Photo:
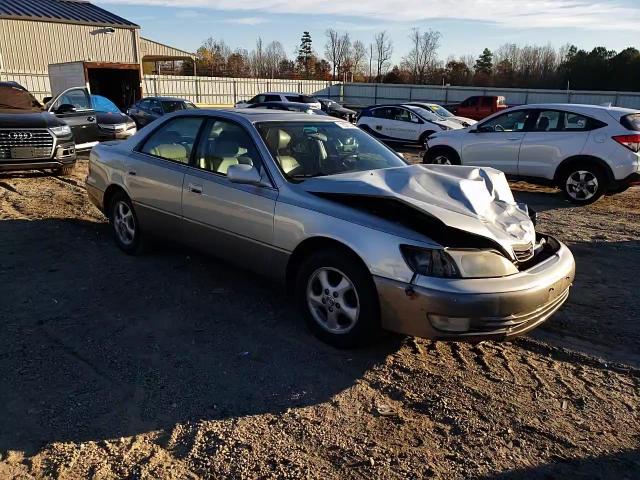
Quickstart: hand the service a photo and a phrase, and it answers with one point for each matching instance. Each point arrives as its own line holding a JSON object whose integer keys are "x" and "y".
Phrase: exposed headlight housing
{"x": 457, "y": 263}
{"x": 61, "y": 131}
{"x": 430, "y": 262}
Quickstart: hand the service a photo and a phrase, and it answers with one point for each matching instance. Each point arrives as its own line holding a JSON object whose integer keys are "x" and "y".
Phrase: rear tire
{"x": 440, "y": 156}
{"x": 338, "y": 298}
{"x": 124, "y": 224}
{"x": 583, "y": 184}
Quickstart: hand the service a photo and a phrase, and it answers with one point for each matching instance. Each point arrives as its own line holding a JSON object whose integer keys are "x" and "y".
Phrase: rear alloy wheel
{"x": 583, "y": 185}
{"x": 338, "y": 298}
{"x": 124, "y": 224}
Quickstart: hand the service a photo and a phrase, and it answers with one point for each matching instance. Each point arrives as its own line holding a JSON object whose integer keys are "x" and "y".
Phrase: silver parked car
{"x": 362, "y": 240}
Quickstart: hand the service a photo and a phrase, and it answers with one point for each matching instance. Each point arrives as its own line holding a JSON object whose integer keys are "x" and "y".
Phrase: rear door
{"x": 554, "y": 136}
{"x": 73, "y": 106}
{"x": 156, "y": 171}
{"x": 496, "y": 142}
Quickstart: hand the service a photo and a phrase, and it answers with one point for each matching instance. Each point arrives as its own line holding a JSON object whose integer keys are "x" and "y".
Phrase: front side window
{"x": 76, "y": 98}
{"x": 294, "y": 98}
{"x": 271, "y": 98}
{"x": 487, "y": 101}
{"x": 103, "y": 104}
{"x": 472, "y": 102}
{"x": 514, "y": 121}
{"x": 382, "y": 113}
{"x": 224, "y": 144}
{"x": 174, "y": 140}
{"x": 312, "y": 149}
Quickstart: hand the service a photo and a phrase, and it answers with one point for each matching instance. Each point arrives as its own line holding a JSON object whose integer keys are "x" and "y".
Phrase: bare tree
{"x": 258, "y": 60}
{"x": 212, "y": 56}
{"x": 358, "y": 55}
{"x": 274, "y": 54}
{"x": 383, "y": 51}
{"x": 423, "y": 54}
{"x": 337, "y": 49}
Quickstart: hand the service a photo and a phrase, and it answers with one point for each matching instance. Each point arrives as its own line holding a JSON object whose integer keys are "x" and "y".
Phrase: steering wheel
{"x": 498, "y": 128}
{"x": 349, "y": 162}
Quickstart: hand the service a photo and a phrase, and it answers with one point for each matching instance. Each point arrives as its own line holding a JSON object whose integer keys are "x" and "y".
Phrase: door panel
{"x": 231, "y": 221}
{"x": 155, "y": 186}
{"x": 82, "y": 119}
{"x": 495, "y": 150}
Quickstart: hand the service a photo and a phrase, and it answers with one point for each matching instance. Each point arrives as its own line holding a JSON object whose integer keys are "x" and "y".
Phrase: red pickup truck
{"x": 479, "y": 107}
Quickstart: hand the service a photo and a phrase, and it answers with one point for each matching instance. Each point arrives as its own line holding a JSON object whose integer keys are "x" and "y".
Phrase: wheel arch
{"x": 109, "y": 194}
{"x": 309, "y": 246}
{"x": 583, "y": 159}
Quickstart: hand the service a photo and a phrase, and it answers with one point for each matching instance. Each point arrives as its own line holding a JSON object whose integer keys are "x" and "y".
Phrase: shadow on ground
{"x": 618, "y": 466}
{"x": 95, "y": 344}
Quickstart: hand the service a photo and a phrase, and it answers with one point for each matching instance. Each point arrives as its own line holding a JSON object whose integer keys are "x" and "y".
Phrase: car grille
{"x": 25, "y": 143}
{"x": 523, "y": 252}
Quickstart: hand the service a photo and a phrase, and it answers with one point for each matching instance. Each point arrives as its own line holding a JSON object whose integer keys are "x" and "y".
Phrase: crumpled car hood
{"x": 473, "y": 199}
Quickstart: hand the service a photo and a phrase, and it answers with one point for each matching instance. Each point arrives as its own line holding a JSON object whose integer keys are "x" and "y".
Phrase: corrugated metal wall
{"x": 364, "y": 94}
{"x": 29, "y": 47}
{"x": 227, "y": 91}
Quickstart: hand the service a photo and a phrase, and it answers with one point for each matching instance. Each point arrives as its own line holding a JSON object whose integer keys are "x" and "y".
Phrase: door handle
{"x": 513, "y": 139}
{"x": 132, "y": 172}
{"x": 195, "y": 188}
{"x": 378, "y": 127}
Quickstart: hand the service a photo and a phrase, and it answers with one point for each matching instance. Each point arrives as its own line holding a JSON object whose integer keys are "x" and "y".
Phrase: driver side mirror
{"x": 244, "y": 174}
{"x": 65, "y": 108}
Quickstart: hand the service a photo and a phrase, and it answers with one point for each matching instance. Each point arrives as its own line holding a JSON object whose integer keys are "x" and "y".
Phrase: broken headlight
{"x": 430, "y": 262}
{"x": 461, "y": 263}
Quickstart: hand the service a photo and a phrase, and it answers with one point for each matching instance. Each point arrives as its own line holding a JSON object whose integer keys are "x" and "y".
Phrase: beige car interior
{"x": 226, "y": 146}
{"x": 279, "y": 142}
{"x": 171, "y": 148}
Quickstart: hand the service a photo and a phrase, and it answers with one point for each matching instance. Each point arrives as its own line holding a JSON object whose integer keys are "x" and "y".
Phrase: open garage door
{"x": 120, "y": 83}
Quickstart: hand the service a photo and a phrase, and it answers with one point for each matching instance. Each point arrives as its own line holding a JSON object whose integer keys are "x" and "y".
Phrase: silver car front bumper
{"x": 478, "y": 309}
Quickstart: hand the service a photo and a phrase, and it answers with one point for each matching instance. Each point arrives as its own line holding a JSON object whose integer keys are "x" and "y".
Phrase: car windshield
{"x": 313, "y": 149}
{"x": 427, "y": 114}
{"x": 441, "y": 111}
{"x": 17, "y": 100}
{"x": 103, "y": 104}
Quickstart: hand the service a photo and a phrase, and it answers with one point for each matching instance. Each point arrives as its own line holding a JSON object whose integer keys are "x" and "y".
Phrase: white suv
{"x": 281, "y": 97}
{"x": 585, "y": 150}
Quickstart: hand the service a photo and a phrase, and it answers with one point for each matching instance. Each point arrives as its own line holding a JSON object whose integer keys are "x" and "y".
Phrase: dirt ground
{"x": 174, "y": 365}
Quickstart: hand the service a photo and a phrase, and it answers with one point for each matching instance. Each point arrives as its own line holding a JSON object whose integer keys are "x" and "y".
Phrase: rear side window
{"x": 631, "y": 122}
{"x": 294, "y": 98}
{"x": 381, "y": 113}
{"x": 271, "y": 98}
{"x": 174, "y": 140}
{"x": 473, "y": 101}
{"x": 487, "y": 101}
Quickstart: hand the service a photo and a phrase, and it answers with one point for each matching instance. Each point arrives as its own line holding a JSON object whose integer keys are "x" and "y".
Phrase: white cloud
{"x": 598, "y": 15}
{"x": 246, "y": 20}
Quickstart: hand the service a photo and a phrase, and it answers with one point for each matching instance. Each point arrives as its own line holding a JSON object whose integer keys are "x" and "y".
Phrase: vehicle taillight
{"x": 632, "y": 142}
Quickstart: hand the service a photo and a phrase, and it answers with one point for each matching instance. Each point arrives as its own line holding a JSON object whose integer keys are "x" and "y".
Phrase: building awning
{"x": 151, "y": 51}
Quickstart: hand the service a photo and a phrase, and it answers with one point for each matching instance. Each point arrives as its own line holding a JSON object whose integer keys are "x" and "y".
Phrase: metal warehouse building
{"x": 35, "y": 34}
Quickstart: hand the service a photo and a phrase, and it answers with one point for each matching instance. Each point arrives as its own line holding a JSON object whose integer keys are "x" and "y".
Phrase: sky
{"x": 467, "y": 26}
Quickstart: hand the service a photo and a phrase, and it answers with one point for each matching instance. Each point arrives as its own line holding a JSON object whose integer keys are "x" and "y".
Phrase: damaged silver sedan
{"x": 363, "y": 241}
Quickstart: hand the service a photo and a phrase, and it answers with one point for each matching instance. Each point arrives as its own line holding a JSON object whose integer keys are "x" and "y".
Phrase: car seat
{"x": 278, "y": 142}
{"x": 543, "y": 124}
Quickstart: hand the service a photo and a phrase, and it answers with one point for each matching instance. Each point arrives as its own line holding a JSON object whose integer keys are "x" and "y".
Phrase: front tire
{"x": 440, "y": 157}
{"x": 583, "y": 184}
{"x": 338, "y": 298}
{"x": 65, "y": 170}
{"x": 124, "y": 224}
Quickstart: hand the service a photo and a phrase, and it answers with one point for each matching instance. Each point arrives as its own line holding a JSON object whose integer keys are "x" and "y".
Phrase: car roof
{"x": 286, "y": 104}
{"x": 257, "y": 115}
{"x": 286, "y": 93}
{"x": 577, "y": 106}
{"x": 169, "y": 99}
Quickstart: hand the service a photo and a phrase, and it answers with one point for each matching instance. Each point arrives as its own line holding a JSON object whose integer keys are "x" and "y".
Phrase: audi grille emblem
{"x": 21, "y": 135}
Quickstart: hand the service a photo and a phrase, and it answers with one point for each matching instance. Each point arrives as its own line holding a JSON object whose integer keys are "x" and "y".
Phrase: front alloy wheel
{"x": 333, "y": 300}
{"x": 336, "y": 293}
